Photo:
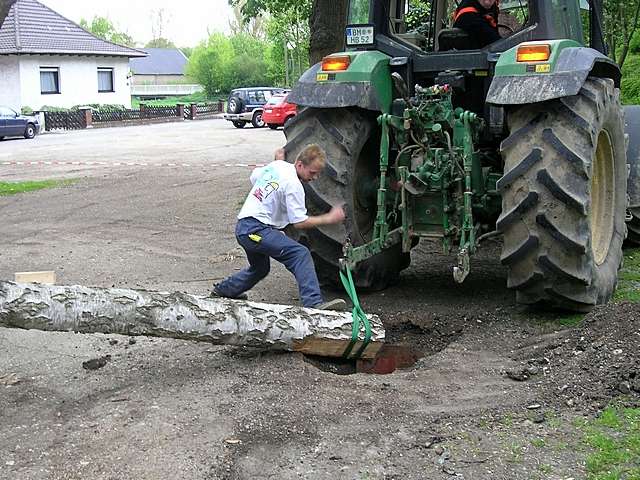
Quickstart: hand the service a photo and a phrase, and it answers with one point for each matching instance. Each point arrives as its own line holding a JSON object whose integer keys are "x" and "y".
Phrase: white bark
{"x": 181, "y": 315}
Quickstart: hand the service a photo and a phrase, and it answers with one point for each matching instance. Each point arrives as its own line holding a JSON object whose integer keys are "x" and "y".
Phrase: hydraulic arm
{"x": 432, "y": 180}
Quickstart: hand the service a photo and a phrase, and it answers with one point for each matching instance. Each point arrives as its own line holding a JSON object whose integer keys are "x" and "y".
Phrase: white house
{"x": 46, "y": 59}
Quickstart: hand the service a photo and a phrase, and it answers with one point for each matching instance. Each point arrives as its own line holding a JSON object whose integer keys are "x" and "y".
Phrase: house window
{"x": 105, "y": 80}
{"x": 49, "y": 80}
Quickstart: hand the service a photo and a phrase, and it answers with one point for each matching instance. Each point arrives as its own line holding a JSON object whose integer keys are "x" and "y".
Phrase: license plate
{"x": 360, "y": 35}
{"x": 268, "y": 110}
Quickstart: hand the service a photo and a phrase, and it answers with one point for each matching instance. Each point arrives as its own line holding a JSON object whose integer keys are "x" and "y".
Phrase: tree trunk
{"x": 327, "y": 23}
{"x": 5, "y": 5}
{"x": 181, "y": 315}
{"x": 629, "y": 32}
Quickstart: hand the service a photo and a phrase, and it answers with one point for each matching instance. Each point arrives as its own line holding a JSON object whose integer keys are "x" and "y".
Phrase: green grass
{"x": 507, "y": 420}
{"x": 571, "y": 320}
{"x": 614, "y": 443}
{"x": 629, "y": 278}
{"x": 539, "y": 442}
{"x": 555, "y": 320}
{"x": 545, "y": 468}
{"x": 12, "y": 188}
{"x": 516, "y": 451}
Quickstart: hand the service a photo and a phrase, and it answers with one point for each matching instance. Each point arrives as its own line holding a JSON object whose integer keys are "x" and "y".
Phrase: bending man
{"x": 276, "y": 200}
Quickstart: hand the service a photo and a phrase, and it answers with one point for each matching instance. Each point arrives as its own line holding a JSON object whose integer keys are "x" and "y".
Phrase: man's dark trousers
{"x": 261, "y": 241}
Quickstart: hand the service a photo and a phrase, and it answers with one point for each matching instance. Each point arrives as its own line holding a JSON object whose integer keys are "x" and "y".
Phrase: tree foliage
{"x": 417, "y": 19}
{"x": 253, "y": 8}
{"x": 285, "y": 32}
{"x": 287, "y": 35}
{"x": 630, "y": 86}
{"x": 187, "y": 51}
{"x": 103, "y": 28}
{"x": 221, "y": 64}
{"x": 621, "y": 19}
{"x": 254, "y": 26}
{"x": 210, "y": 62}
{"x": 160, "y": 42}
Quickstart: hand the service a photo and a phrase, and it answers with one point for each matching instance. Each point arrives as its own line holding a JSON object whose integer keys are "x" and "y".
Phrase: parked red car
{"x": 277, "y": 111}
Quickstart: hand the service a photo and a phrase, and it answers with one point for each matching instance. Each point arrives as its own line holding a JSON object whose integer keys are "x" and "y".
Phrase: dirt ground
{"x": 494, "y": 396}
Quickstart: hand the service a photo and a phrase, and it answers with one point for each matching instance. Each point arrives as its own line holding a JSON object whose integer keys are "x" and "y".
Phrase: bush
{"x": 630, "y": 85}
{"x": 634, "y": 44}
{"x": 101, "y": 107}
{"x": 50, "y": 108}
{"x": 26, "y": 110}
{"x": 96, "y": 107}
{"x": 198, "y": 97}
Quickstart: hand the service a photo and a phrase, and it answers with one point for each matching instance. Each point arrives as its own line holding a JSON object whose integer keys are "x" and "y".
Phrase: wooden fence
{"x": 73, "y": 120}
{"x": 84, "y": 118}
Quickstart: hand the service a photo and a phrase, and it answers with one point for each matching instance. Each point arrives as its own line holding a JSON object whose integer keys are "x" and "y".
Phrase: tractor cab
{"x": 428, "y": 26}
{"x": 426, "y": 49}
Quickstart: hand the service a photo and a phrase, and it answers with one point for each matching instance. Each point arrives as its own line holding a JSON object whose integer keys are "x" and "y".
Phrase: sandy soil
{"x": 494, "y": 396}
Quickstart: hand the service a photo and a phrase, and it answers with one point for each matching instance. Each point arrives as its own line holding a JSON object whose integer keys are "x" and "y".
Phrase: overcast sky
{"x": 186, "y": 21}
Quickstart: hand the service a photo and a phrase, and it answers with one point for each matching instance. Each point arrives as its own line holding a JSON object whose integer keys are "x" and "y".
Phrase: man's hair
{"x": 311, "y": 154}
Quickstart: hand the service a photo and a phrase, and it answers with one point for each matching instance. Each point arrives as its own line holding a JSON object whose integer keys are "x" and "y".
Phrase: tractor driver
{"x": 479, "y": 18}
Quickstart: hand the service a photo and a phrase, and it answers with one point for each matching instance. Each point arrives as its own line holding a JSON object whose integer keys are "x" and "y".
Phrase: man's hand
{"x": 279, "y": 154}
{"x": 335, "y": 215}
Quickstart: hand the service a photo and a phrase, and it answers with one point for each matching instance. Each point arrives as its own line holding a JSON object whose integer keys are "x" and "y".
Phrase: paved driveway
{"x": 151, "y": 206}
{"x": 204, "y": 143}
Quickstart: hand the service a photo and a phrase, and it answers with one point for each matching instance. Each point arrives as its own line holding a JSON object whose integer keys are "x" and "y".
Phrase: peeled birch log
{"x": 181, "y": 315}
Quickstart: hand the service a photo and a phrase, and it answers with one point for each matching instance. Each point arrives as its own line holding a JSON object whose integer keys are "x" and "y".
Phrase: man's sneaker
{"x": 337, "y": 304}
{"x": 216, "y": 293}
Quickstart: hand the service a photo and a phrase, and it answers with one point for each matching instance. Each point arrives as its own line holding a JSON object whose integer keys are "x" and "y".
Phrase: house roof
{"x": 160, "y": 61}
{"x": 32, "y": 27}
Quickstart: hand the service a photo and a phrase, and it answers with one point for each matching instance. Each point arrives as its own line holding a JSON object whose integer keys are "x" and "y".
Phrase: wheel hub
{"x": 602, "y": 198}
{"x": 366, "y": 188}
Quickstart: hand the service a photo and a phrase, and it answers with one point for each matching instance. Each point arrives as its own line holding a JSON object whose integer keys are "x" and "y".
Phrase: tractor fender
{"x": 562, "y": 76}
{"x": 632, "y": 129}
{"x": 366, "y": 84}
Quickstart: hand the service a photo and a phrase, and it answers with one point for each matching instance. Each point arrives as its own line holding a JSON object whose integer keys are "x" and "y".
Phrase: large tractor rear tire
{"x": 350, "y": 138}
{"x": 564, "y": 198}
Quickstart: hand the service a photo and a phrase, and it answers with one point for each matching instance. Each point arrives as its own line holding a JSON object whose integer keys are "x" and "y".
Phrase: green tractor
{"x": 429, "y": 137}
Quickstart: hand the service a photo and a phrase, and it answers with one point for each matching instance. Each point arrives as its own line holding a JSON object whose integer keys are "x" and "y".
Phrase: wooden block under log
{"x": 181, "y": 315}
{"x": 47, "y": 277}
